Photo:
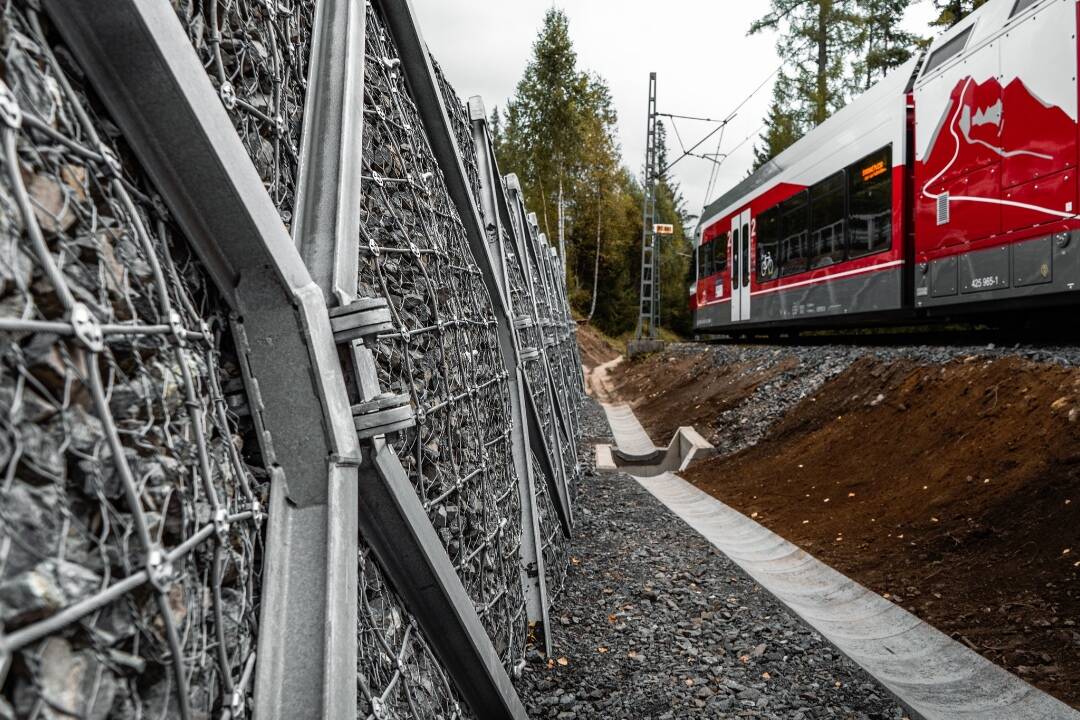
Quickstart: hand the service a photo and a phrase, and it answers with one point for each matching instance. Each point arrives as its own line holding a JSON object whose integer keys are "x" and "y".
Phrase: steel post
{"x": 416, "y": 65}
{"x": 139, "y": 61}
{"x": 534, "y": 578}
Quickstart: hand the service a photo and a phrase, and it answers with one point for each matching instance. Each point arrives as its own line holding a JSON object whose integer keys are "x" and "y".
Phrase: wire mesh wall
{"x": 517, "y": 274}
{"x": 444, "y": 351}
{"x": 257, "y": 55}
{"x": 132, "y": 492}
{"x": 133, "y": 486}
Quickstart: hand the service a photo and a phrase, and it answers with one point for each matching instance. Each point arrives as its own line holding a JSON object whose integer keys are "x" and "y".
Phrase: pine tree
{"x": 783, "y": 125}
{"x": 542, "y": 119}
{"x": 883, "y": 44}
{"x": 951, "y": 12}
{"x": 559, "y": 131}
{"x": 816, "y": 38}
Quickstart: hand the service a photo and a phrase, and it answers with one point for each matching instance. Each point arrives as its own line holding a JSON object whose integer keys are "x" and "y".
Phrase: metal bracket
{"x": 385, "y": 414}
{"x": 360, "y": 319}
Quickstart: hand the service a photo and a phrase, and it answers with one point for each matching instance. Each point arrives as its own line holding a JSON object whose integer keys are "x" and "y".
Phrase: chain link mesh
{"x": 132, "y": 491}
{"x": 256, "y": 53}
{"x": 519, "y": 273}
{"x": 444, "y": 352}
{"x": 133, "y": 486}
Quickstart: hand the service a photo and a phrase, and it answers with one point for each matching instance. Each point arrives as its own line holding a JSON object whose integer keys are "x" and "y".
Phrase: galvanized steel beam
{"x": 139, "y": 61}
{"x": 534, "y": 575}
{"x": 416, "y": 66}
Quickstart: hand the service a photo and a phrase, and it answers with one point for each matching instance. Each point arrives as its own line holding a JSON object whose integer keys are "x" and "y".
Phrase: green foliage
{"x": 951, "y": 12}
{"x": 832, "y": 49}
{"x": 559, "y": 131}
{"x": 882, "y": 43}
{"x": 815, "y": 40}
{"x": 783, "y": 125}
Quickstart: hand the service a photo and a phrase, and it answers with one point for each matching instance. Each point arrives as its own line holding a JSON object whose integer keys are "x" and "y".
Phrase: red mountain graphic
{"x": 986, "y": 124}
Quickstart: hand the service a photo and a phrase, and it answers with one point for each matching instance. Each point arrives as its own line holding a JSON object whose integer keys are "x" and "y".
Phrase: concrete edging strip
{"x": 936, "y": 677}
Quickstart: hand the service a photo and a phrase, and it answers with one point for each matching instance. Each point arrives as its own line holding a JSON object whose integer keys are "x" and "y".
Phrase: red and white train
{"x": 949, "y": 187}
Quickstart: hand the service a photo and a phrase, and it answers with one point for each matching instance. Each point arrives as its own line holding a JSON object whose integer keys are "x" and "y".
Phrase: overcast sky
{"x": 705, "y": 64}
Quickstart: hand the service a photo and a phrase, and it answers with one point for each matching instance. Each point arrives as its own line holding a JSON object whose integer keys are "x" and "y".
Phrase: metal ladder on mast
{"x": 648, "y": 323}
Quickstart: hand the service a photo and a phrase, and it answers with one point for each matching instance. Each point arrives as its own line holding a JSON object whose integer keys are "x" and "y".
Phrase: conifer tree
{"x": 882, "y": 42}
{"x": 783, "y": 124}
{"x": 951, "y": 12}
{"x": 815, "y": 40}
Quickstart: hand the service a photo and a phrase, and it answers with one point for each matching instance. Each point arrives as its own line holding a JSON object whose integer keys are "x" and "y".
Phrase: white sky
{"x": 704, "y": 60}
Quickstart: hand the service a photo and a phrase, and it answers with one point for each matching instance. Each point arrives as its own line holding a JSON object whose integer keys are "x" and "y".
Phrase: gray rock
{"x": 44, "y": 590}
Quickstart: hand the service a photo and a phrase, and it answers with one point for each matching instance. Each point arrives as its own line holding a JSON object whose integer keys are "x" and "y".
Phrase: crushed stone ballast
{"x": 936, "y": 677}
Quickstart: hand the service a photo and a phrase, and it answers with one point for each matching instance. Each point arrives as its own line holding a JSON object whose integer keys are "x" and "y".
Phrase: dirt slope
{"x": 954, "y": 489}
{"x": 670, "y": 390}
{"x": 596, "y": 348}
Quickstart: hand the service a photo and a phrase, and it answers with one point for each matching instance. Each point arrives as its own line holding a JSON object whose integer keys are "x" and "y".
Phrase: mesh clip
{"x": 86, "y": 328}
{"x": 221, "y": 525}
{"x": 159, "y": 569}
{"x": 385, "y": 414}
{"x": 359, "y": 319}
{"x": 228, "y": 95}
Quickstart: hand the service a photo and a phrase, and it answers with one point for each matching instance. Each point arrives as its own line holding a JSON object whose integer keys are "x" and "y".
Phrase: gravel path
{"x": 654, "y": 623}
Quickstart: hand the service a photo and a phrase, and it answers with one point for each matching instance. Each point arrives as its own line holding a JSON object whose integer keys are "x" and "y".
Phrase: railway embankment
{"x": 946, "y": 479}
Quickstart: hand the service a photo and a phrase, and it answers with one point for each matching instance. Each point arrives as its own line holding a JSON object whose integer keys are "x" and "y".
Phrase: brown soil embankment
{"x": 952, "y": 489}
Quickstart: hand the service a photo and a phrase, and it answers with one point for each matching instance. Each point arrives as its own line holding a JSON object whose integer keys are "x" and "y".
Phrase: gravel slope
{"x": 654, "y": 623}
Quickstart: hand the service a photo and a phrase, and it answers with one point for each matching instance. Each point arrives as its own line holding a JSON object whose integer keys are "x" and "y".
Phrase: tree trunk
{"x": 596, "y": 263}
{"x": 821, "y": 105}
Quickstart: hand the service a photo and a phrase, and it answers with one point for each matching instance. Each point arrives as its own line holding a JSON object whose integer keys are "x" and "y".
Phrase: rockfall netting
{"x": 133, "y": 485}
{"x": 132, "y": 491}
{"x": 256, "y": 55}
{"x": 443, "y": 352}
{"x": 521, "y": 279}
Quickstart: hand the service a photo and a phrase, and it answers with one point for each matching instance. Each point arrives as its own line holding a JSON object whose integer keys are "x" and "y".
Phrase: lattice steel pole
{"x": 648, "y": 310}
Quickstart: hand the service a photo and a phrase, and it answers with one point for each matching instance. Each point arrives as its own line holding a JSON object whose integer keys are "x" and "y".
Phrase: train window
{"x": 793, "y": 222}
{"x": 827, "y": 221}
{"x": 870, "y": 204}
{"x": 1021, "y": 6}
{"x": 746, "y": 255}
{"x": 948, "y": 51}
{"x": 768, "y": 244}
{"x": 735, "y": 259}
{"x": 709, "y": 257}
{"x": 719, "y": 253}
{"x": 700, "y": 261}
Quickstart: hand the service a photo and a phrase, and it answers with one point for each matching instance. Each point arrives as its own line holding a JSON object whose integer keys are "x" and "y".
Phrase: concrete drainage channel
{"x": 934, "y": 676}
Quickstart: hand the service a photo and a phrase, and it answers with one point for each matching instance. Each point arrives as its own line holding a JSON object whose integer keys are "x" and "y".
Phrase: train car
{"x": 947, "y": 188}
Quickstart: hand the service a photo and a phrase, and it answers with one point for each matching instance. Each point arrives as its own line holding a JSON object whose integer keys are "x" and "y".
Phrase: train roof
{"x": 807, "y": 150}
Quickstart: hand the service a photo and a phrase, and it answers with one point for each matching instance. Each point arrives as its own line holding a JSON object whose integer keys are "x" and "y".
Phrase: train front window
{"x": 827, "y": 221}
{"x": 768, "y": 244}
{"x": 870, "y": 204}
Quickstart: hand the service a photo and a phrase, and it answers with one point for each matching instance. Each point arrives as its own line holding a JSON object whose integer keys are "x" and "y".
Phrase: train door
{"x": 740, "y": 266}
{"x": 735, "y": 256}
{"x": 744, "y": 285}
